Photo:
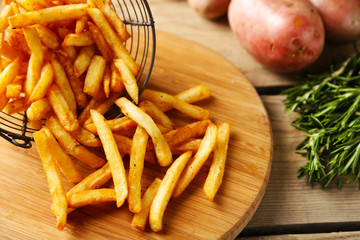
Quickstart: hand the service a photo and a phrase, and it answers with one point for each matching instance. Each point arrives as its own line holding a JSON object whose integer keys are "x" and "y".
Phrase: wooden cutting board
{"x": 180, "y": 64}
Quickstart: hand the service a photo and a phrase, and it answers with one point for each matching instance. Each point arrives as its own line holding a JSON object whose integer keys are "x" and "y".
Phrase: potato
{"x": 341, "y": 18}
{"x": 283, "y": 35}
{"x": 210, "y": 8}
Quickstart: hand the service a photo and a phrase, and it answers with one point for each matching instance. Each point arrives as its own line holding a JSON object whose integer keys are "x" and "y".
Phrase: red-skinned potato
{"x": 283, "y": 35}
{"x": 341, "y": 18}
{"x": 210, "y": 8}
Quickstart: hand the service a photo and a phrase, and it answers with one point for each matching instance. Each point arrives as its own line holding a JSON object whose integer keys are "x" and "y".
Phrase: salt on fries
{"x": 67, "y": 65}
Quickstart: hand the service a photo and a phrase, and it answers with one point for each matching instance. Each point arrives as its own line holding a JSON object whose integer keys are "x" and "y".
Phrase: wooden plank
{"x": 315, "y": 236}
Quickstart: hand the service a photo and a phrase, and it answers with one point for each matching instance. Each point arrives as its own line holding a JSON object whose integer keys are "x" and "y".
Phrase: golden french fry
{"x": 32, "y": 5}
{"x": 63, "y": 83}
{"x": 38, "y": 109}
{"x": 8, "y": 75}
{"x": 85, "y": 113}
{"x": 137, "y": 156}
{"x": 75, "y": 82}
{"x": 61, "y": 108}
{"x": 83, "y": 60}
{"x": 3, "y": 101}
{"x": 162, "y": 148}
{"x": 16, "y": 39}
{"x": 140, "y": 219}
{"x": 94, "y": 75}
{"x": 70, "y": 50}
{"x": 117, "y": 124}
{"x": 78, "y": 39}
{"x": 41, "y": 88}
{"x": 48, "y": 37}
{"x": 166, "y": 188}
{"x": 86, "y": 138}
{"x": 35, "y": 124}
{"x": 81, "y": 24}
{"x": 159, "y": 116}
{"x": 13, "y": 90}
{"x": 191, "y": 145}
{"x": 116, "y": 83}
{"x": 217, "y": 168}
{"x": 72, "y": 146}
{"x": 107, "y": 81}
{"x": 48, "y": 15}
{"x": 113, "y": 156}
{"x": 113, "y": 39}
{"x": 15, "y": 106}
{"x": 128, "y": 79}
{"x": 8, "y": 51}
{"x": 94, "y": 196}
{"x": 56, "y": 187}
{"x": 113, "y": 19}
{"x": 100, "y": 42}
{"x": 206, "y": 147}
{"x": 6, "y": 12}
{"x": 64, "y": 162}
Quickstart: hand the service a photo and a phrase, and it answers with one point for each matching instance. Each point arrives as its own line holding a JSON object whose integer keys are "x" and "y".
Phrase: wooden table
{"x": 290, "y": 209}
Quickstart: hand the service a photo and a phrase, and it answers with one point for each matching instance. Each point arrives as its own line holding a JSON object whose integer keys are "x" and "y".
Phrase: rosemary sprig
{"x": 329, "y": 113}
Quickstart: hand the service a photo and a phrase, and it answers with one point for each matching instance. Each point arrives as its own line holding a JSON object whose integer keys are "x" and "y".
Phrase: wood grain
{"x": 24, "y": 197}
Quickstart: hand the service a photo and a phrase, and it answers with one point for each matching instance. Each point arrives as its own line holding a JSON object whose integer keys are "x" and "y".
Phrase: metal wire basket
{"x": 139, "y": 22}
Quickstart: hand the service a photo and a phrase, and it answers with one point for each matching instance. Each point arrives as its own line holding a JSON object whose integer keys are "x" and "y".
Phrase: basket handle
{"x": 16, "y": 139}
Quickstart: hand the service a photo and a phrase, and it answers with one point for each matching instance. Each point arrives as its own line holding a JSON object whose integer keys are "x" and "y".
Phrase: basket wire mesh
{"x": 138, "y": 19}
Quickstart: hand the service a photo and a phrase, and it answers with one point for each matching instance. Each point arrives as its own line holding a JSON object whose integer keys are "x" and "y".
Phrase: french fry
{"x": 107, "y": 81}
{"x": 78, "y": 39}
{"x": 16, "y": 39}
{"x": 85, "y": 113}
{"x": 72, "y": 146}
{"x": 128, "y": 79}
{"x": 70, "y": 50}
{"x": 32, "y": 5}
{"x": 76, "y": 84}
{"x": 8, "y": 75}
{"x": 113, "y": 39}
{"x": 113, "y": 19}
{"x": 13, "y": 90}
{"x": 3, "y": 101}
{"x": 36, "y": 59}
{"x": 63, "y": 83}
{"x": 206, "y": 147}
{"x": 48, "y": 37}
{"x": 48, "y": 15}
{"x": 83, "y": 60}
{"x": 56, "y": 187}
{"x": 191, "y": 145}
{"x": 116, "y": 83}
{"x": 38, "y": 109}
{"x": 6, "y": 12}
{"x": 137, "y": 156}
{"x": 8, "y": 51}
{"x": 100, "y": 42}
{"x": 159, "y": 116}
{"x": 61, "y": 108}
{"x": 86, "y": 138}
{"x": 94, "y": 196}
{"x": 140, "y": 219}
{"x": 35, "y": 124}
{"x": 15, "y": 106}
{"x": 116, "y": 124}
{"x": 41, "y": 88}
{"x": 217, "y": 168}
{"x": 162, "y": 148}
{"x": 64, "y": 162}
{"x": 113, "y": 156}
{"x": 81, "y": 24}
{"x": 166, "y": 188}
{"x": 94, "y": 76}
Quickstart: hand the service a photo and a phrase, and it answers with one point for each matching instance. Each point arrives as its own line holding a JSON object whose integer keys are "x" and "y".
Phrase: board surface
{"x": 180, "y": 64}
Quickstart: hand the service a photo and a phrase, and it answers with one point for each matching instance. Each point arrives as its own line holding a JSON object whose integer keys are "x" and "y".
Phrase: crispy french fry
{"x": 48, "y": 15}
{"x": 112, "y": 39}
{"x": 159, "y": 116}
{"x": 166, "y": 188}
{"x": 86, "y": 138}
{"x": 16, "y": 39}
{"x": 6, "y": 12}
{"x": 70, "y": 50}
{"x": 63, "y": 83}
{"x": 217, "y": 168}
{"x": 191, "y": 145}
{"x": 113, "y": 156}
{"x": 162, "y": 148}
{"x": 38, "y": 109}
{"x": 3, "y": 101}
{"x": 13, "y": 90}
{"x": 140, "y": 219}
{"x": 137, "y": 156}
{"x": 128, "y": 79}
{"x": 116, "y": 83}
{"x": 100, "y": 42}
{"x": 32, "y": 5}
{"x": 81, "y": 24}
{"x": 64, "y": 162}
{"x": 56, "y": 187}
{"x": 94, "y": 196}
{"x": 72, "y": 146}
{"x": 8, "y": 51}
{"x": 75, "y": 82}
{"x": 35, "y": 124}
{"x": 8, "y": 75}
{"x": 113, "y": 19}
{"x": 61, "y": 108}
{"x": 94, "y": 76}
{"x": 41, "y": 88}
{"x": 85, "y": 113}
{"x": 206, "y": 147}
{"x": 15, "y": 106}
{"x": 116, "y": 124}
{"x": 48, "y": 37}
{"x": 107, "y": 81}
{"x": 83, "y": 60}
{"x": 78, "y": 39}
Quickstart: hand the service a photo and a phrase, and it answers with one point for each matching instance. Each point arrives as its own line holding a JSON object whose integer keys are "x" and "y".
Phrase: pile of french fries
{"x": 64, "y": 61}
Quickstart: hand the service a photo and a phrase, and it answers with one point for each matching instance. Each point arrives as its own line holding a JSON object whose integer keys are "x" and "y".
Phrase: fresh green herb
{"x": 328, "y": 107}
